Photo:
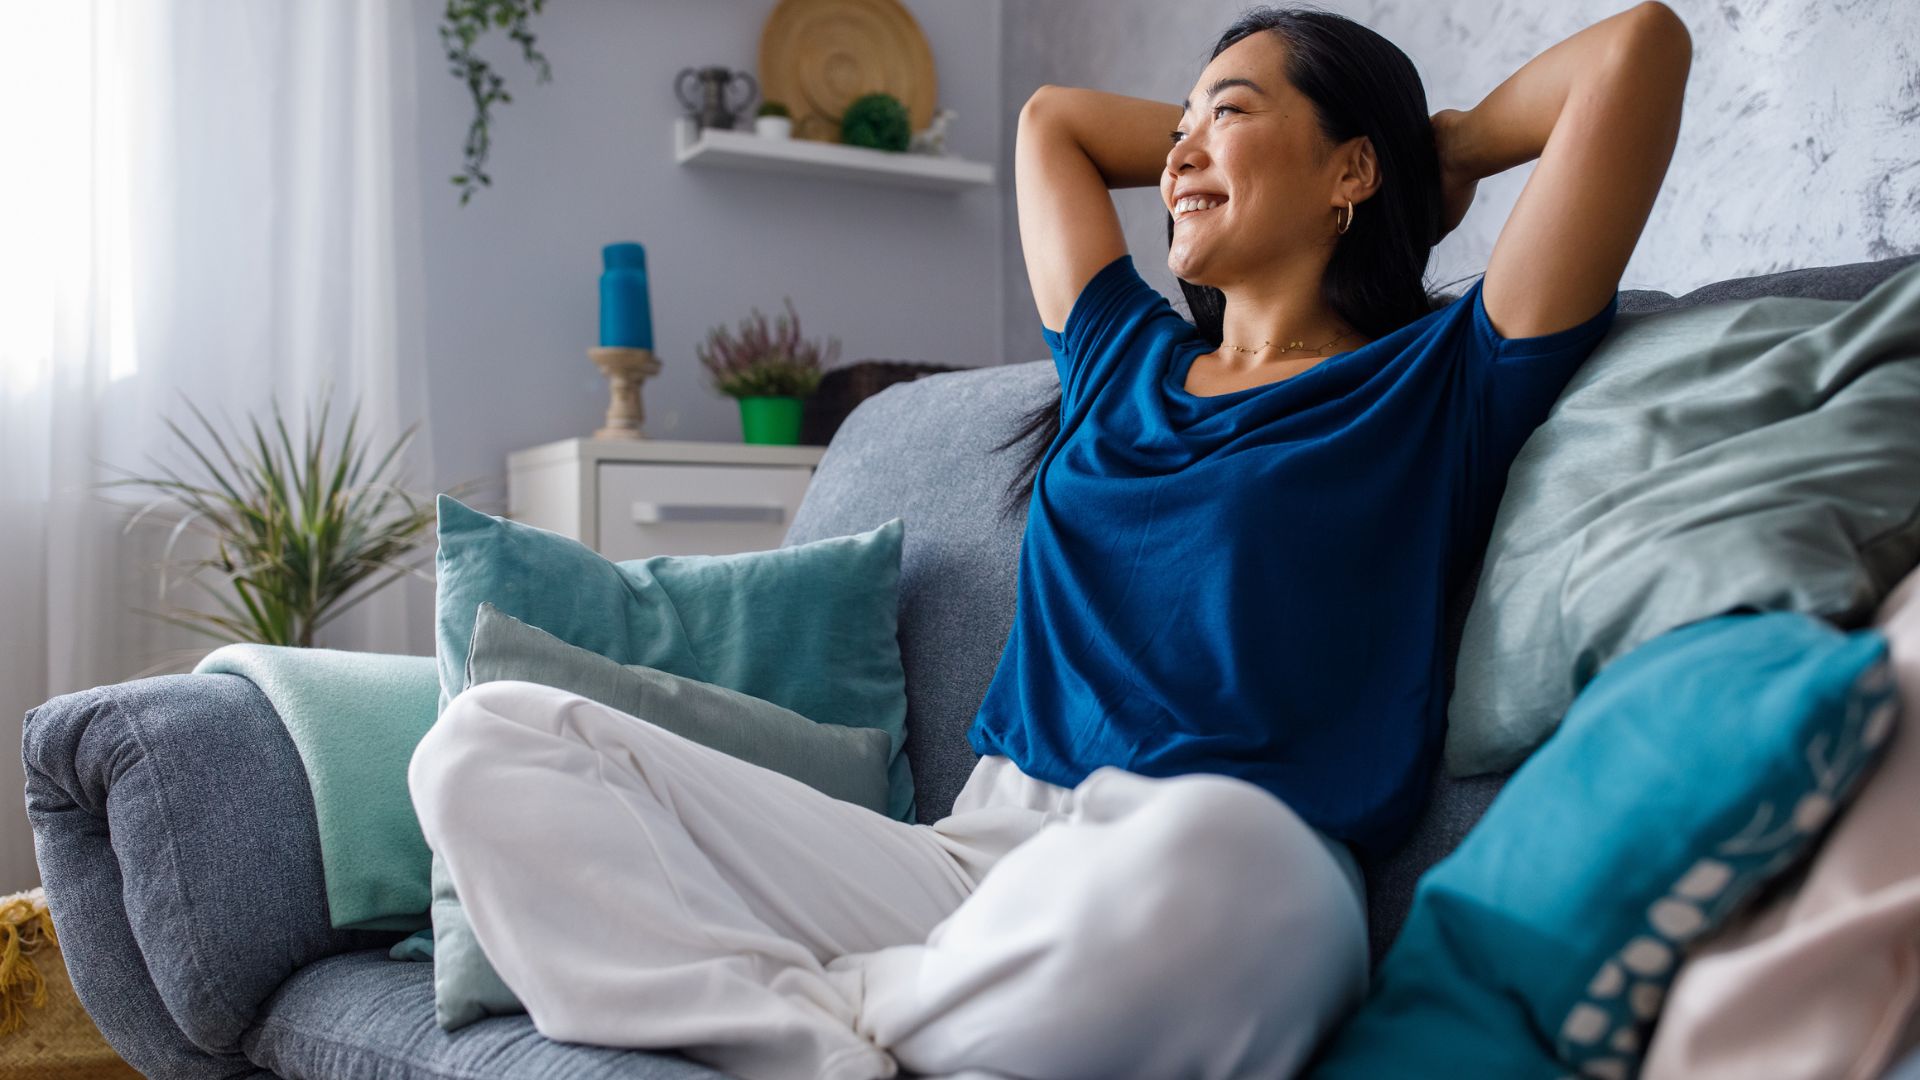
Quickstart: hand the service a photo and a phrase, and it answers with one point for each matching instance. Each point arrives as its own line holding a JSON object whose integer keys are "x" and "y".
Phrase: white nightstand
{"x": 635, "y": 498}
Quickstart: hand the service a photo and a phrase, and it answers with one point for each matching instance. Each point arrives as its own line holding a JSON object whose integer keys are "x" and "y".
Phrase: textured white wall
{"x": 1799, "y": 144}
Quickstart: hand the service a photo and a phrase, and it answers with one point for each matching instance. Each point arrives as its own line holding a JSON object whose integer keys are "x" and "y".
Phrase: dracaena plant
{"x": 300, "y": 535}
{"x": 765, "y": 362}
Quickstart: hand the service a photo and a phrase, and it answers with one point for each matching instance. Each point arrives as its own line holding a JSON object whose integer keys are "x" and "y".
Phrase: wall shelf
{"x": 718, "y": 148}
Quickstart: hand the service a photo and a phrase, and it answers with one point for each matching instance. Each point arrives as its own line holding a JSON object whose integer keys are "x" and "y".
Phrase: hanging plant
{"x": 464, "y": 22}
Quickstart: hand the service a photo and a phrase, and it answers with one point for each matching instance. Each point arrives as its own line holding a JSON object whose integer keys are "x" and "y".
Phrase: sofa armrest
{"x": 177, "y": 842}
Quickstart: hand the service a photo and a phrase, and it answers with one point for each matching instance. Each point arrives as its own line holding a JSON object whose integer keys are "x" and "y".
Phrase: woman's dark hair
{"x": 1360, "y": 84}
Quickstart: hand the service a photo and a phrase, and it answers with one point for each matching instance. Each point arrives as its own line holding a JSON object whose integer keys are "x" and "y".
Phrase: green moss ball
{"x": 878, "y": 120}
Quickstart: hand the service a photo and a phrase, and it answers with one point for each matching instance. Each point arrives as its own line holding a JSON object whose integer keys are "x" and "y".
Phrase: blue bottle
{"x": 626, "y": 316}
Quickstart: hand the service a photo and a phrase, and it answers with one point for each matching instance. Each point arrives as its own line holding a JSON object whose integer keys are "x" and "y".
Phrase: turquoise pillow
{"x": 809, "y": 627}
{"x": 845, "y": 763}
{"x": 1688, "y": 773}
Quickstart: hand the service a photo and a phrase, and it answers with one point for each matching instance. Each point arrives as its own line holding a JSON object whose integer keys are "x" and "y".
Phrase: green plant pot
{"x": 770, "y": 420}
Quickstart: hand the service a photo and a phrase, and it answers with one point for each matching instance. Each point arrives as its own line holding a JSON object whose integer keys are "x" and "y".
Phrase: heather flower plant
{"x": 765, "y": 362}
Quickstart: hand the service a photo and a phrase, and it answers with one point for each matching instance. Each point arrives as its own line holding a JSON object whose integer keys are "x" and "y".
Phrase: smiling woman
{"x": 1242, "y": 531}
{"x": 1313, "y": 132}
{"x": 1337, "y": 184}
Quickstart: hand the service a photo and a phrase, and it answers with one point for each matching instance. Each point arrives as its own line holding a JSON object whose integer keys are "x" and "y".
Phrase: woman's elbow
{"x": 1657, "y": 35}
{"x": 1039, "y": 102}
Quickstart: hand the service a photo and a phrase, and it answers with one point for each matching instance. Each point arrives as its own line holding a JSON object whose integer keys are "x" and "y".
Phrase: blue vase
{"x": 626, "y": 317}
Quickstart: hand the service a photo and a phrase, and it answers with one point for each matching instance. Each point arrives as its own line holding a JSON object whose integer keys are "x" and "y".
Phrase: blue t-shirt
{"x": 1254, "y": 583}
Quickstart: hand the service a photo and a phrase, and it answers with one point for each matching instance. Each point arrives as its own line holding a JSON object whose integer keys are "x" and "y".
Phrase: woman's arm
{"x": 1071, "y": 147}
{"x": 1601, "y": 110}
{"x": 1127, "y": 137}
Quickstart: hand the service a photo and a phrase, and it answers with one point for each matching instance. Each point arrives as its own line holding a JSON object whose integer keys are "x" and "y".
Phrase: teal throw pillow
{"x": 811, "y": 627}
{"x": 1688, "y": 773}
{"x": 843, "y": 762}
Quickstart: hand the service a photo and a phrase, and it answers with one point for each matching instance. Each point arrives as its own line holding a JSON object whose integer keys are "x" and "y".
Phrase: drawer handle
{"x": 654, "y": 513}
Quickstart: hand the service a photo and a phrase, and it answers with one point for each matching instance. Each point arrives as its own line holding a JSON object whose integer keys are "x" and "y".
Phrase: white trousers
{"x": 638, "y": 889}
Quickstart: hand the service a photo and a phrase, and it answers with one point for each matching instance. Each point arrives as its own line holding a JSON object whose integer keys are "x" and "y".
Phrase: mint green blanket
{"x": 356, "y": 719}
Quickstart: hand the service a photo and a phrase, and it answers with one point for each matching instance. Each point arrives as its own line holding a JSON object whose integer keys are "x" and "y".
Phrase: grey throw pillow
{"x": 848, "y": 763}
{"x": 1748, "y": 455}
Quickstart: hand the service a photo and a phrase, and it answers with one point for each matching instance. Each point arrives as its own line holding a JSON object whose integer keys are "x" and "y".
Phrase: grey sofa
{"x": 176, "y": 835}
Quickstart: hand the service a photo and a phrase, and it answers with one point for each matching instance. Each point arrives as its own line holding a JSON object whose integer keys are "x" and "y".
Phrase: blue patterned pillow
{"x": 1688, "y": 773}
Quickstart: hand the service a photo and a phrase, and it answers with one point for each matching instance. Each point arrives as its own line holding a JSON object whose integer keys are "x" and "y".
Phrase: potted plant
{"x": 300, "y": 535}
{"x": 774, "y": 121}
{"x": 769, "y": 370}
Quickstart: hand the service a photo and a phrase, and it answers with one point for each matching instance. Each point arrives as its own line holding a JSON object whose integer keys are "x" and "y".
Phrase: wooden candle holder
{"x": 625, "y": 370}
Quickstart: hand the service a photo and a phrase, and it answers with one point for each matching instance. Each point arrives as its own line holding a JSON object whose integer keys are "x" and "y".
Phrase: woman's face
{"x": 1261, "y": 147}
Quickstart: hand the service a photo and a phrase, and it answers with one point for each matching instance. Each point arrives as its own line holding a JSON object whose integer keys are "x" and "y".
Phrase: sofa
{"x": 177, "y": 840}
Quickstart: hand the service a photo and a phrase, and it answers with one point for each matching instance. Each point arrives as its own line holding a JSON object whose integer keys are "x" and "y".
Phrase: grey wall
{"x": 587, "y": 159}
{"x": 1799, "y": 145}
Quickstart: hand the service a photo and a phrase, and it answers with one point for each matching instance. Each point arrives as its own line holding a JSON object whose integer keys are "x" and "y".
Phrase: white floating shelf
{"x": 719, "y": 148}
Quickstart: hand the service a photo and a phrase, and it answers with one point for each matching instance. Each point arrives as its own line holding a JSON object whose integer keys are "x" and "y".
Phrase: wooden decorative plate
{"x": 817, "y": 56}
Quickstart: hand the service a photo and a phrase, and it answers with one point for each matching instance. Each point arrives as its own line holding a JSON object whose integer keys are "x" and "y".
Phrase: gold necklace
{"x": 1290, "y": 346}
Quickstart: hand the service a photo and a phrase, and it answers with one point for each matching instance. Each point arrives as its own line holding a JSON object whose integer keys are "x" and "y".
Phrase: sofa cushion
{"x": 921, "y": 451}
{"x": 361, "y": 1016}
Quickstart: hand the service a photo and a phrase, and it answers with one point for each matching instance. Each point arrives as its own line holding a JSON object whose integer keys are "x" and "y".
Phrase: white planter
{"x": 773, "y": 127}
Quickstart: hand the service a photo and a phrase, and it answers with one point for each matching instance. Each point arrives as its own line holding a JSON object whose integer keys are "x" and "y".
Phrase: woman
{"x": 1224, "y": 676}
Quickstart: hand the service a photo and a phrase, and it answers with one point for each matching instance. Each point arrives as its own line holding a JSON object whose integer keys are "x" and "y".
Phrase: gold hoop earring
{"x": 1348, "y": 224}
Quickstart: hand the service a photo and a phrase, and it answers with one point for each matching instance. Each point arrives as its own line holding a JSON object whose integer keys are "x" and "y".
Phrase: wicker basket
{"x": 844, "y": 387}
{"x": 45, "y": 1034}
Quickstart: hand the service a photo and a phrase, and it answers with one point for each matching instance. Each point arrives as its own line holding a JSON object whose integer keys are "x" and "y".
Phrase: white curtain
{"x": 212, "y": 202}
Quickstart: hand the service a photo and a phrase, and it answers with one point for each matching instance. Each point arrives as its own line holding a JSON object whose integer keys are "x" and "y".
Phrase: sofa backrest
{"x": 923, "y": 451}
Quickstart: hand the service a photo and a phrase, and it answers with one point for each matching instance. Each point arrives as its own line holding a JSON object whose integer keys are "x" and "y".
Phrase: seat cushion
{"x": 361, "y": 1016}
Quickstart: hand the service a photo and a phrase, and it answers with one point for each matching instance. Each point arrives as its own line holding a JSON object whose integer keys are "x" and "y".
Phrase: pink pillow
{"x": 1824, "y": 980}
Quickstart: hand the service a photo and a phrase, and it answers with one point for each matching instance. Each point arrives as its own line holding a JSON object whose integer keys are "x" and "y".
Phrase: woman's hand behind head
{"x": 1458, "y": 182}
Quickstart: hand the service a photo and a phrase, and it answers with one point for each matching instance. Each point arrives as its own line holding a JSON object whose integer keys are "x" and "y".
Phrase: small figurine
{"x": 933, "y": 140}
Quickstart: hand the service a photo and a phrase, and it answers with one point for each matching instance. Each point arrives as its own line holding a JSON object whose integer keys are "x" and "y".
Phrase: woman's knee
{"x": 1216, "y": 904}
{"x": 1254, "y": 887}
{"x": 1220, "y": 826}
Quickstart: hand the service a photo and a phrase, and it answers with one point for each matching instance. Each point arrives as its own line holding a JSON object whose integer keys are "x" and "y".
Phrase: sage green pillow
{"x": 848, "y": 763}
{"x": 1753, "y": 455}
